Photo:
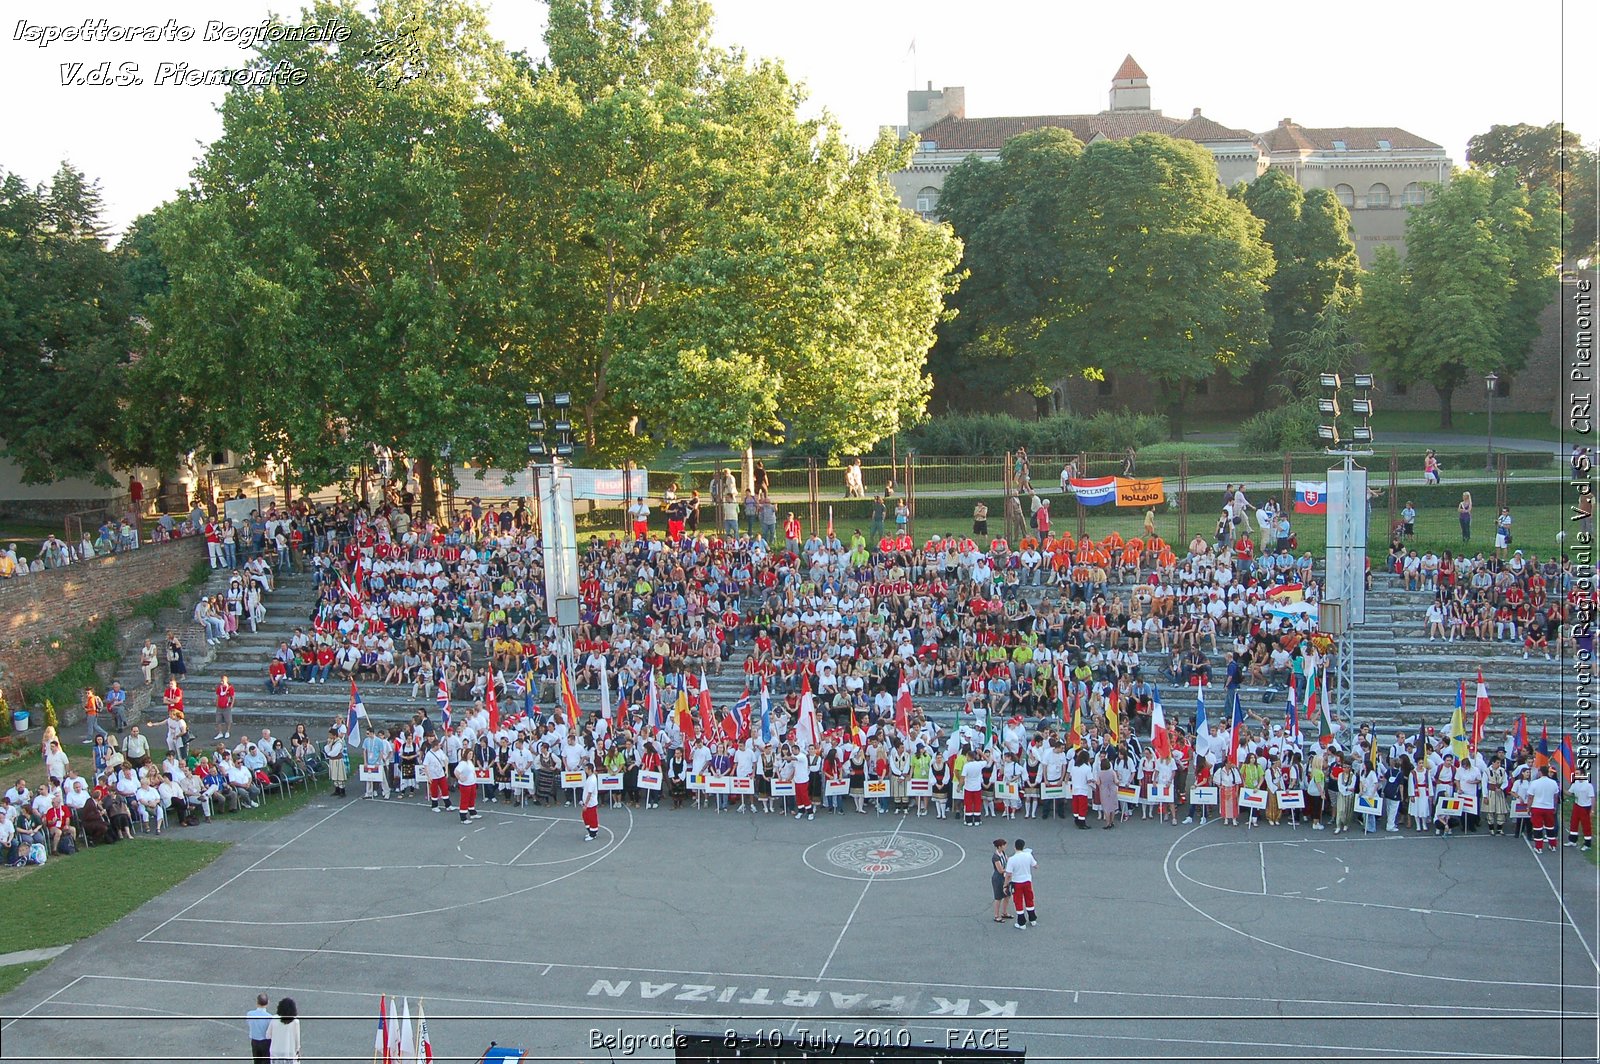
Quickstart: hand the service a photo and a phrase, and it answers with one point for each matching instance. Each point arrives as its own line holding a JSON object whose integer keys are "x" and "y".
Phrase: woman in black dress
{"x": 176, "y": 666}
{"x": 997, "y": 879}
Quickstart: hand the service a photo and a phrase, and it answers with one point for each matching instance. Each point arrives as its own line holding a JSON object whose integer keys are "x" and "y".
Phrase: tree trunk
{"x": 429, "y": 487}
{"x": 1446, "y": 419}
{"x": 1175, "y": 402}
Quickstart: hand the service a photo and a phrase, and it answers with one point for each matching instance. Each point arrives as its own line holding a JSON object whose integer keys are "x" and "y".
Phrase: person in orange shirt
{"x": 92, "y": 705}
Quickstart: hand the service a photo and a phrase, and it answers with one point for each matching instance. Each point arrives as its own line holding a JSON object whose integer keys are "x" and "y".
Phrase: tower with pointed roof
{"x": 1130, "y": 88}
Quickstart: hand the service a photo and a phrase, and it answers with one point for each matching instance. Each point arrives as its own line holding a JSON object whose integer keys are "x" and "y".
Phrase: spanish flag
{"x": 1111, "y": 716}
{"x": 569, "y": 699}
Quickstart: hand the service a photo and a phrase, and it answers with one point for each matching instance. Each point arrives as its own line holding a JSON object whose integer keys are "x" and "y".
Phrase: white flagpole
{"x": 605, "y": 690}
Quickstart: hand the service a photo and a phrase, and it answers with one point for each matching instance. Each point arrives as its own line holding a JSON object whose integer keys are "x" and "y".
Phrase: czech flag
{"x": 1093, "y": 491}
{"x": 1310, "y": 496}
{"x": 1202, "y": 729}
{"x": 741, "y": 714}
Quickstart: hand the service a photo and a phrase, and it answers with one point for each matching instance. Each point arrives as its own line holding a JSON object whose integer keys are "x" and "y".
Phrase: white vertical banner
{"x": 560, "y": 547}
{"x": 1347, "y": 541}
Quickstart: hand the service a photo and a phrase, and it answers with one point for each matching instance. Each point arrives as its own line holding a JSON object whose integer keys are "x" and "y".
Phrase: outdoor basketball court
{"x": 1153, "y": 942}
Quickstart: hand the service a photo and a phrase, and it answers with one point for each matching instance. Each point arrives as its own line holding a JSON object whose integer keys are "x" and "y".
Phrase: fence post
{"x": 811, "y": 484}
{"x": 1288, "y": 481}
{"x": 1394, "y": 487}
{"x": 1183, "y": 499}
{"x": 1499, "y": 481}
{"x": 1082, "y": 462}
{"x": 911, "y": 495}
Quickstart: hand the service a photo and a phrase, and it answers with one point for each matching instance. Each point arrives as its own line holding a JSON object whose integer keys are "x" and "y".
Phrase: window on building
{"x": 927, "y": 200}
{"x": 929, "y": 145}
{"x": 1384, "y": 145}
{"x": 1346, "y": 194}
{"x": 1378, "y": 195}
{"x": 1412, "y": 195}
{"x": 1105, "y": 387}
{"x": 1339, "y": 145}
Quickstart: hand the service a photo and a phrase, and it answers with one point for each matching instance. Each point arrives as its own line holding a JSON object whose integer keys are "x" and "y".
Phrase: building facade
{"x": 1377, "y": 172}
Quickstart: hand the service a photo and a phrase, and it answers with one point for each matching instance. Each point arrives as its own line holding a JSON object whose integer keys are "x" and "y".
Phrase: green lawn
{"x": 27, "y": 535}
{"x": 12, "y": 975}
{"x": 71, "y": 898}
{"x": 1506, "y": 425}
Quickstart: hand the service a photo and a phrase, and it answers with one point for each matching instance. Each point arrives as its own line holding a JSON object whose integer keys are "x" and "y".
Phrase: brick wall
{"x": 55, "y": 606}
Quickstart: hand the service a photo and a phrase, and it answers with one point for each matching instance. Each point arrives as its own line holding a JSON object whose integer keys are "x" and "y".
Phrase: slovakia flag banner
{"x": 1094, "y": 491}
{"x": 1310, "y": 497}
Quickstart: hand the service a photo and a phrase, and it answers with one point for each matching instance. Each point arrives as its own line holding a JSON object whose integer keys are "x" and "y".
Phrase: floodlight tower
{"x": 1345, "y": 592}
{"x": 551, "y": 442}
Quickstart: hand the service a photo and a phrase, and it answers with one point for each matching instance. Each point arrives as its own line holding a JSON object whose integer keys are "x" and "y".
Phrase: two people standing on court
{"x": 1013, "y": 877}
{"x": 274, "y": 1039}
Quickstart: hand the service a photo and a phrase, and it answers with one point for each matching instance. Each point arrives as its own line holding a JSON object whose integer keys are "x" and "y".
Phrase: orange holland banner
{"x": 1132, "y": 492}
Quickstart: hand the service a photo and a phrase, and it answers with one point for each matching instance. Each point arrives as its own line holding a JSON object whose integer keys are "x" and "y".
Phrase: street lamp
{"x": 1489, "y": 382}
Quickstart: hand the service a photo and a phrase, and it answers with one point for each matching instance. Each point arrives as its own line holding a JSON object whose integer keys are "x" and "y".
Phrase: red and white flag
{"x": 902, "y": 707}
{"x": 424, "y": 1043}
{"x": 1480, "y": 714}
{"x": 806, "y": 730}
{"x": 1159, "y": 739}
{"x": 707, "y": 713}
{"x": 491, "y": 702}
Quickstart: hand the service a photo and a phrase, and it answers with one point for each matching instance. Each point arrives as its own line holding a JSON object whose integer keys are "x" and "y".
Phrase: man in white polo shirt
{"x": 1544, "y": 795}
{"x": 590, "y": 803}
{"x": 1019, "y": 874}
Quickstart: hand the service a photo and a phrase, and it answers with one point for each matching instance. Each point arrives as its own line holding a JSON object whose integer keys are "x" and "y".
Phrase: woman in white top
{"x": 285, "y": 1034}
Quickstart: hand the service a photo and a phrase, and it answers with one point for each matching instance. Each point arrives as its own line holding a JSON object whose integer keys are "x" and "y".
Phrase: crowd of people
{"x": 1517, "y": 598}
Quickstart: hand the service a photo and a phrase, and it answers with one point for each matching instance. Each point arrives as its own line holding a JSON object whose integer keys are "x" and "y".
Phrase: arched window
{"x": 1378, "y": 195}
{"x": 1346, "y": 194}
{"x": 1412, "y": 195}
{"x": 927, "y": 200}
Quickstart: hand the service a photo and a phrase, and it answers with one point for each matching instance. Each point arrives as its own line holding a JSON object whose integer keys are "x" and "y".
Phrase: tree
{"x": 1165, "y": 273}
{"x": 1009, "y": 214}
{"x": 1480, "y": 267}
{"x": 64, "y": 329}
{"x": 1546, "y": 157}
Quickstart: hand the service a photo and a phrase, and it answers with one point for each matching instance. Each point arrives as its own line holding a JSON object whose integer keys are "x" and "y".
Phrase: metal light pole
{"x": 1489, "y": 382}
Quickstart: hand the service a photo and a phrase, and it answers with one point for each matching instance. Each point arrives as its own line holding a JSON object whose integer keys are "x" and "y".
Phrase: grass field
{"x": 12, "y": 975}
{"x": 1506, "y": 426}
{"x": 71, "y": 898}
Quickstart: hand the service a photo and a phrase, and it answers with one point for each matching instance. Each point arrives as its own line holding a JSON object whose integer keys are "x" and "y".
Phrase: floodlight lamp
{"x": 536, "y": 424}
{"x": 533, "y": 399}
{"x": 1328, "y": 406}
{"x": 563, "y": 450}
{"x": 1328, "y": 433}
{"x": 1361, "y": 434}
{"x": 536, "y": 449}
{"x": 563, "y": 426}
{"x": 562, "y": 400}
{"x": 1362, "y": 407}
{"x": 1363, "y": 380}
{"x": 1329, "y": 380}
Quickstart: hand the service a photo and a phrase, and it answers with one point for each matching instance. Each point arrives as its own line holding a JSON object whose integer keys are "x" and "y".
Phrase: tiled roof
{"x": 1290, "y": 137}
{"x": 977, "y": 134}
{"x": 1128, "y": 69}
{"x": 1205, "y": 131}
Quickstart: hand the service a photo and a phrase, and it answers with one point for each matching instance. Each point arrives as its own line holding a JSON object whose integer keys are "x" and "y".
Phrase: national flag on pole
{"x": 902, "y": 707}
{"x": 1236, "y": 725}
{"x": 1112, "y": 719}
{"x": 1202, "y": 729}
{"x": 408, "y": 1042}
{"x": 766, "y": 716}
{"x": 380, "y": 1045}
{"x": 1159, "y": 739}
{"x": 1480, "y": 712}
{"x": 830, "y": 520}
{"x": 1541, "y": 756}
{"x": 1062, "y": 692}
{"x": 1291, "y": 717}
{"x": 569, "y": 698}
{"x": 491, "y": 702}
{"x": 441, "y": 698}
{"x": 856, "y": 735}
{"x": 807, "y": 729}
{"x": 1519, "y": 736}
{"x": 1325, "y": 726}
{"x": 741, "y": 713}
{"x": 1458, "y": 726}
{"x": 358, "y": 713}
{"x": 1310, "y": 497}
{"x": 680, "y": 709}
{"x": 652, "y": 704}
{"x": 1564, "y": 759}
{"x": 605, "y": 690}
{"x": 424, "y": 1043}
{"x": 707, "y": 714}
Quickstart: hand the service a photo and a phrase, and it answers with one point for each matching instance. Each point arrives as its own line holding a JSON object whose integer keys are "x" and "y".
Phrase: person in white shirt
{"x": 972, "y": 790}
{"x": 1019, "y": 876}
{"x": 436, "y": 770}
{"x": 466, "y": 772}
{"x": 1544, "y": 795}
{"x": 1582, "y": 818}
{"x": 1080, "y": 775}
{"x": 591, "y": 803}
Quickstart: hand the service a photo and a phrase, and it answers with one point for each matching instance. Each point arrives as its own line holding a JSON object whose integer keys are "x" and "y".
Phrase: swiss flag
{"x": 491, "y": 702}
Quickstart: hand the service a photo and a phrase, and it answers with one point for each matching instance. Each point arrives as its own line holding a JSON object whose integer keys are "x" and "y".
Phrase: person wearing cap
{"x": 1582, "y": 816}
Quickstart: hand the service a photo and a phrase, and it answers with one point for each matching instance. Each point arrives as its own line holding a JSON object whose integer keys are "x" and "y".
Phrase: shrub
{"x": 1117, "y": 430}
{"x": 1283, "y": 428}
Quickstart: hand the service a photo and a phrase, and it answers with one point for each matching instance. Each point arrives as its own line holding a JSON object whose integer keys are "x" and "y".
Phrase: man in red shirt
{"x": 224, "y": 709}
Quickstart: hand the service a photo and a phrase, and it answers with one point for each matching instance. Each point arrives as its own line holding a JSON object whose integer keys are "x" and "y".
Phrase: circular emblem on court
{"x": 883, "y": 855}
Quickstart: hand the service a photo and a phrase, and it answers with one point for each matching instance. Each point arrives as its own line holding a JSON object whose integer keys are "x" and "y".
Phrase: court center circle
{"x": 883, "y": 855}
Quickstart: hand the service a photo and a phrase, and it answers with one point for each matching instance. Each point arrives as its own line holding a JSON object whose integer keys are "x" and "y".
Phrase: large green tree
{"x": 1547, "y": 157}
{"x": 1009, "y": 214}
{"x": 65, "y": 309}
{"x": 1479, "y": 268}
{"x": 1165, "y": 273}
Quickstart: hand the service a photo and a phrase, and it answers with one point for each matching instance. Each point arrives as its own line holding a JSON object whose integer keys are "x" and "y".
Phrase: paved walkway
{"x": 29, "y": 956}
{"x": 1425, "y": 439}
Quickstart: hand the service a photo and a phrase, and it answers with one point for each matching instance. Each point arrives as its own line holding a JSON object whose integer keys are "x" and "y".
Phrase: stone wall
{"x": 42, "y": 614}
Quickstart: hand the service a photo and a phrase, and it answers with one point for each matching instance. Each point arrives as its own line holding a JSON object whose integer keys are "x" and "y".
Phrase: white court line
{"x": 1546, "y": 873}
{"x": 142, "y": 1008}
{"x": 589, "y": 969}
{"x": 227, "y": 882}
{"x": 536, "y": 838}
{"x": 1296, "y": 896}
{"x": 599, "y": 855}
{"x": 43, "y": 1002}
{"x": 1263, "y": 848}
{"x": 871, "y": 879}
{"x": 1166, "y": 870}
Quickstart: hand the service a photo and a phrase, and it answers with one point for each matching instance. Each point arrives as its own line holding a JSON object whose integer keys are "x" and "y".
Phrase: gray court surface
{"x": 1154, "y": 942}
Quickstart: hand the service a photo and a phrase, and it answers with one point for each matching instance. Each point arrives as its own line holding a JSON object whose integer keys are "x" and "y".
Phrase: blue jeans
{"x": 230, "y": 552}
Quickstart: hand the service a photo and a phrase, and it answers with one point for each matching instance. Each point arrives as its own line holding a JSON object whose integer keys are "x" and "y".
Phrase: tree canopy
{"x": 1549, "y": 156}
{"x": 391, "y": 253}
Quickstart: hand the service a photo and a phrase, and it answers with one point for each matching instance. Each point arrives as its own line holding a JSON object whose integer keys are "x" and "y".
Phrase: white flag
{"x": 408, "y": 1043}
{"x": 605, "y": 690}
